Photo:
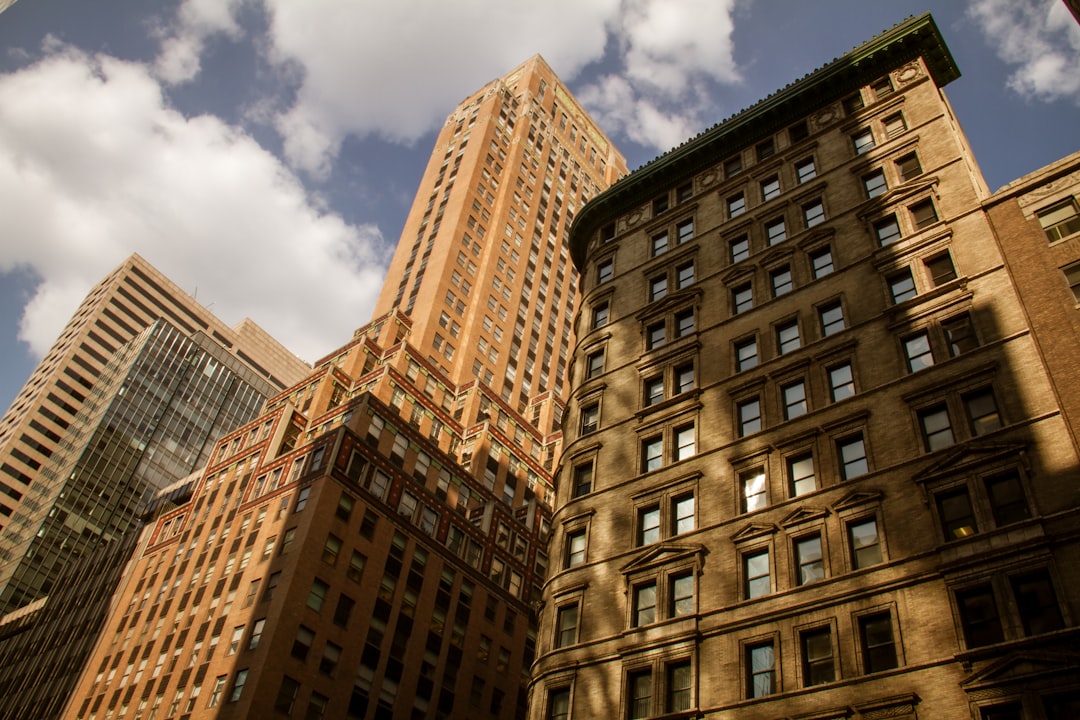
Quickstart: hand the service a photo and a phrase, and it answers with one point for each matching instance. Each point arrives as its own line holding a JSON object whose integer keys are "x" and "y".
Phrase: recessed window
{"x": 746, "y": 354}
{"x": 936, "y": 429}
{"x": 649, "y": 525}
{"x": 757, "y": 580}
{"x": 654, "y": 390}
{"x": 640, "y": 705}
{"x": 887, "y": 230}
{"x": 852, "y": 103}
{"x": 753, "y": 491}
{"x": 600, "y": 315}
{"x": 749, "y": 416}
{"x": 841, "y": 382}
{"x": 1072, "y": 279}
{"x": 679, "y": 687}
{"x": 655, "y": 335}
{"x": 644, "y": 604}
{"x": 684, "y": 192}
{"x": 590, "y": 418}
{"x": 566, "y": 625}
{"x": 787, "y": 337}
{"x": 558, "y": 704}
{"x": 781, "y": 281}
{"x": 681, "y": 590}
{"x": 760, "y": 670}
{"x": 798, "y": 131}
{"x": 979, "y": 617}
{"x": 660, "y": 243}
{"x": 736, "y": 205}
{"x": 684, "y": 323}
{"x": 865, "y": 543}
{"x": 732, "y": 166}
{"x": 878, "y": 644}
{"x": 652, "y": 454}
{"x": 776, "y": 232}
{"x": 863, "y": 141}
{"x": 770, "y": 188}
{"x": 801, "y": 476}
{"x": 605, "y": 271}
{"x": 817, "y": 654}
{"x": 882, "y": 88}
{"x": 742, "y": 298}
{"x": 740, "y": 248}
{"x": 901, "y": 286}
{"x": 875, "y": 184}
{"x": 809, "y": 563}
{"x": 821, "y": 262}
{"x": 684, "y": 275}
{"x": 832, "y": 318}
{"x": 1007, "y": 501}
{"x": 917, "y": 351}
{"x": 959, "y": 334}
{"x": 794, "y": 395}
{"x": 660, "y": 204}
{"x": 813, "y": 213}
{"x": 684, "y": 231}
{"x": 685, "y": 442}
{"x": 982, "y": 412}
{"x": 852, "y": 454}
{"x": 657, "y": 287}
{"x": 1060, "y": 221}
{"x": 583, "y": 479}
{"x": 908, "y": 167}
{"x": 805, "y": 170}
{"x": 684, "y": 519}
{"x": 1037, "y": 603}
{"x": 594, "y": 364}
{"x": 575, "y": 548}
{"x": 955, "y": 511}
{"x": 765, "y": 149}
{"x": 923, "y": 214}
{"x": 941, "y": 268}
{"x": 894, "y": 125}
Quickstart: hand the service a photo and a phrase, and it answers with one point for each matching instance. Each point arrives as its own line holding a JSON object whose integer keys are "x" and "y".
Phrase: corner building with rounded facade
{"x": 814, "y": 465}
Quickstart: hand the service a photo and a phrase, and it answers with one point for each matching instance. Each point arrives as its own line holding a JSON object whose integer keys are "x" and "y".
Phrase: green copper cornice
{"x": 913, "y": 38}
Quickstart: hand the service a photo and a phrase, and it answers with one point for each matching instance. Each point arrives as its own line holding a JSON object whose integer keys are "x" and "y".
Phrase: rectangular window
{"x": 805, "y": 170}
{"x": 605, "y": 271}
{"x": 732, "y": 167}
{"x": 894, "y": 125}
{"x": 566, "y": 626}
{"x": 238, "y": 685}
{"x": 760, "y": 670}
{"x": 749, "y": 416}
{"x": 941, "y": 268}
{"x": 957, "y": 516}
{"x": 740, "y": 248}
{"x": 874, "y": 183}
{"x": 684, "y": 379}
{"x": 908, "y": 167}
{"x": 654, "y": 390}
{"x": 590, "y": 419}
{"x": 841, "y": 382}
{"x": 679, "y": 683}
{"x": 810, "y": 566}
{"x": 979, "y": 617}
{"x": 684, "y": 192}
{"x": 652, "y": 454}
{"x": 757, "y": 580}
{"x": 317, "y": 595}
{"x": 682, "y": 511}
{"x": 286, "y": 695}
{"x": 685, "y": 442}
{"x": 1072, "y": 279}
{"x": 817, "y": 656}
{"x": 959, "y": 334}
{"x": 583, "y": 476}
{"x": 1007, "y": 501}
{"x": 648, "y": 525}
{"x": 821, "y": 262}
{"x": 1037, "y": 602}
{"x": 770, "y": 188}
{"x": 331, "y": 548}
{"x": 302, "y": 642}
{"x": 644, "y": 604}
{"x": 917, "y": 351}
{"x": 787, "y": 337}
{"x": 681, "y": 591}
{"x": 794, "y": 399}
{"x": 657, "y": 287}
{"x": 558, "y": 704}
{"x": 655, "y": 335}
{"x": 1060, "y": 221}
{"x": 851, "y": 451}
{"x": 575, "y": 548}
{"x": 852, "y": 103}
{"x": 776, "y": 232}
{"x": 878, "y": 644}
{"x": 684, "y": 275}
{"x": 329, "y": 661}
{"x": 765, "y": 149}
{"x": 684, "y": 323}
{"x": 742, "y": 298}
{"x": 736, "y": 205}
{"x": 887, "y": 230}
{"x": 865, "y": 543}
{"x": 781, "y": 281}
{"x": 640, "y": 705}
{"x": 799, "y": 131}
{"x": 863, "y": 141}
{"x": 600, "y": 316}
{"x": 936, "y": 428}
{"x": 813, "y": 213}
{"x": 595, "y": 364}
{"x": 901, "y": 286}
{"x": 746, "y": 355}
{"x": 660, "y": 204}
{"x": 923, "y": 214}
{"x": 832, "y": 318}
{"x": 982, "y": 412}
{"x": 801, "y": 474}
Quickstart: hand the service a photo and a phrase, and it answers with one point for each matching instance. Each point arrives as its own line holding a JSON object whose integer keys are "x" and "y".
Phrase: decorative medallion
{"x": 909, "y": 72}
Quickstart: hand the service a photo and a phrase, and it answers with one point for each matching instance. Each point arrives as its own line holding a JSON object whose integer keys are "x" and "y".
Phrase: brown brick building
{"x": 818, "y": 458}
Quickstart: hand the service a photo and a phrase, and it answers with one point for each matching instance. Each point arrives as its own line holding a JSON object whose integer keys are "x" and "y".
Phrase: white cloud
{"x": 184, "y": 39}
{"x": 1040, "y": 39}
{"x": 94, "y": 165}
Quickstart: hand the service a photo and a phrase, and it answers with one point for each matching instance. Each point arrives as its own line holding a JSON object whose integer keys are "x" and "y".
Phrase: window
{"x": 684, "y": 379}
{"x": 215, "y": 693}
{"x": 875, "y": 184}
{"x": 575, "y": 548}
{"x": 1007, "y": 501}
{"x": 832, "y": 318}
{"x": 749, "y": 416}
{"x": 979, "y": 618}
{"x": 640, "y": 705}
{"x": 757, "y": 581}
{"x": 817, "y": 657}
{"x": 781, "y": 281}
{"x": 887, "y": 230}
{"x": 765, "y": 149}
{"x": 865, "y": 543}
{"x": 1060, "y": 221}
{"x": 801, "y": 474}
{"x": 851, "y": 451}
{"x": 600, "y": 316}
{"x": 959, "y": 334}
{"x": 740, "y": 248}
{"x": 317, "y": 595}
{"x": 595, "y": 364}
{"x": 652, "y": 454}
{"x": 256, "y": 633}
{"x": 679, "y": 681}
{"x": 805, "y": 170}
{"x": 660, "y": 243}
{"x": 654, "y": 390}
{"x": 1072, "y": 279}
{"x": 813, "y": 213}
{"x": 776, "y": 232}
{"x": 746, "y": 355}
{"x": 901, "y": 286}
{"x": 794, "y": 396}
{"x": 558, "y": 704}
{"x": 657, "y": 287}
{"x": 908, "y": 167}
{"x": 863, "y": 141}
{"x": 982, "y": 412}
{"x": 590, "y": 418}
{"x": 841, "y": 382}
{"x": 238, "y": 685}
{"x": 302, "y": 498}
{"x": 761, "y": 670}
{"x": 1002, "y": 711}
{"x": 286, "y": 695}
{"x": 1037, "y": 603}
{"x": 329, "y": 661}
{"x": 941, "y": 268}
{"x": 821, "y": 262}
{"x": 923, "y": 214}
{"x": 683, "y": 514}
{"x": 605, "y": 271}
{"x": 957, "y": 516}
{"x": 787, "y": 337}
{"x": 894, "y": 125}
{"x": 917, "y": 351}
{"x": 852, "y": 104}
{"x": 877, "y": 642}
{"x": 684, "y": 275}
{"x": 732, "y": 166}
{"x": 685, "y": 443}
{"x": 583, "y": 476}
{"x": 736, "y": 205}
{"x": 882, "y": 88}
{"x": 684, "y": 192}
{"x": 770, "y": 188}
{"x": 648, "y": 525}
{"x": 331, "y": 548}
{"x": 742, "y": 298}
{"x": 302, "y": 642}
{"x": 798, "y": 131}
{"x": 655, "y": 335}
{"x": 810, "y": 566}
{"x": 660, "y": 204}
{"x": 752, "y": 483}
{"x": 356, "y": 566}
{"x": 644, "y": 604}
{"x": 566, "y": 625}
{"x": 684, "y": 323}
{"x": 936, "y": 429}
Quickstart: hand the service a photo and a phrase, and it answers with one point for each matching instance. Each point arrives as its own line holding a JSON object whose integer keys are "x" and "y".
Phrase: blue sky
{"x": 264, "y": 153}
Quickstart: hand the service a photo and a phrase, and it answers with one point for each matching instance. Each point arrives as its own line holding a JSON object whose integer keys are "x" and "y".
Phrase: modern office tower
{"x": 818, "y": 460}
{"x": 371, "y": 546}
{"x": 115, "y": 311}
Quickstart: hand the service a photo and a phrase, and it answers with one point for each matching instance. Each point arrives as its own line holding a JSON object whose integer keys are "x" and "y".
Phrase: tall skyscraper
{"x": 818, "y": 457}
{"x": 371, "y": 546}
